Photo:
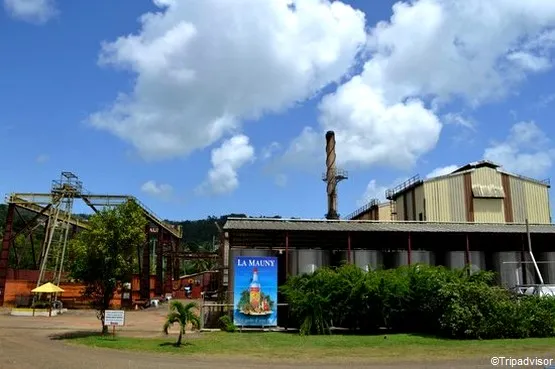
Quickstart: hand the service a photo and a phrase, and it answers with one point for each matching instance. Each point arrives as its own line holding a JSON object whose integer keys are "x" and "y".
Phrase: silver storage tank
{"x": 365, "y": 259}
{"x": 547, "y": 267}
{"x": 510, "y": 269}
{"x": 401, "y": 258}
{"x": 457, "y": 260}
{"x": 307, "y": 261}
{"x": 233, "y": 253}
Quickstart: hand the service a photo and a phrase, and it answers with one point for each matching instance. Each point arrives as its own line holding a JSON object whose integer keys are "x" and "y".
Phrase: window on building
{"x": 420, "y": 217}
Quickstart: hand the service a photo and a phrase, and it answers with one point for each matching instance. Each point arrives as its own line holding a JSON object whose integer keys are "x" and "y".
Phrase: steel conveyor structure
{"x": 57, "y": 208}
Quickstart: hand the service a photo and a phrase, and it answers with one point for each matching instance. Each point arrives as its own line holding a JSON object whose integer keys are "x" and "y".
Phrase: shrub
{"x": 415, "y": 299}
{"x": 226, "y": 324}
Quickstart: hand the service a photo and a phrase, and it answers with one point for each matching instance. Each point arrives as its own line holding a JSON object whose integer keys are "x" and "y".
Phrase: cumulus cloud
{"x": 33, "y": 11}
{"x": 526, "y": 151}
{"x": 441, "y": 171}
{"x": 373, "y": 191}
{"x": 472, "y": 50}
{"x": 226, "y": 161}
{"x": 202, "y": 67}
{"x": 155, "y": 189}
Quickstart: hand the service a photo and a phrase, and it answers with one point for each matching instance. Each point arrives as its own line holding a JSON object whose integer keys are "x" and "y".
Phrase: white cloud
{"x": 441, "y": 171}
{"x": 204, "y": 66}
{"x": 373, "y": 191}
{"x": 270, "y": 150}
{"x": 459, "y": 120}
{"x": 369, "y": 130}
{"x": 33, "y": 11}
{"x": 526, "y": 151}
{"x": 161, "y": 190}
{"x": 473, "y": 50}
{"x": 377, "y": 191}
{"x": 226, "y": 161}
{"x": 42, "y": 158}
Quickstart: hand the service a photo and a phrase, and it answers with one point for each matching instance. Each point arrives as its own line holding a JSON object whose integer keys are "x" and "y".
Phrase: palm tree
{"x": 181, "y": 314}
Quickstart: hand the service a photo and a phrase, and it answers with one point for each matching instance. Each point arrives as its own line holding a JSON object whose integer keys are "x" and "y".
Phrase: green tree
{"x": 181, "y": 314}
{"x": 104, "y": 254}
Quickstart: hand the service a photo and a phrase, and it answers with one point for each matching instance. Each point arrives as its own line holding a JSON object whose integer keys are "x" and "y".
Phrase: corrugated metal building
{"x": 478, "y": 192}
{"x": 374, "y": 210}
{"x": 471, "y": 217}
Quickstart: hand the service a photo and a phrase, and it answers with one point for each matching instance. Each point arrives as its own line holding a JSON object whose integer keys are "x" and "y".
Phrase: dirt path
{"x": 26, "y": 343}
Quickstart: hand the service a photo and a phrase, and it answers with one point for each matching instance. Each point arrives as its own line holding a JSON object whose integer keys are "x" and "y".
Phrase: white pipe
{"x": 530, "y": 251}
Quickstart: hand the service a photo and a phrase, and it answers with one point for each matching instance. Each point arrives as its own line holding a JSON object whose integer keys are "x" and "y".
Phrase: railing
{"x": 390, "y": 193}
{"x": 339, "y": 174}
{"x": 363, "y": 209}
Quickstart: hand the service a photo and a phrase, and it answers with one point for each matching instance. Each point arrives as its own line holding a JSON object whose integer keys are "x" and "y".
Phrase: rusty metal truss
{"x": 54, "y": 211}
{"x": 35, "y": 202}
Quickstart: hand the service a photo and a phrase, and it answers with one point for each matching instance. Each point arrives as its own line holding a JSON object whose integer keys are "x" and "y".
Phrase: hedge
{"x": 415, "y": 299}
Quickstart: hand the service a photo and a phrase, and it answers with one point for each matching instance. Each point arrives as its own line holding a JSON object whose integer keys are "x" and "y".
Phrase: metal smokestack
{"x": 332, "y": 176}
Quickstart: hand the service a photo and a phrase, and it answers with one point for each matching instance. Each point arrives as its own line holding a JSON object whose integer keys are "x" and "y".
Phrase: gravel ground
{"x": 27, "y": 342}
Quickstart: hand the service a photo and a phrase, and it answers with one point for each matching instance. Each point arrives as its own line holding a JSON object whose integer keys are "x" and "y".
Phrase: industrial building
{"x": 475, "y": 216}
{"x": 479, "y": 192}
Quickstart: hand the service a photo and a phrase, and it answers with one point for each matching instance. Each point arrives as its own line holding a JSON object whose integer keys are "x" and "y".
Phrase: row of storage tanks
{"x": 511, "y": 271}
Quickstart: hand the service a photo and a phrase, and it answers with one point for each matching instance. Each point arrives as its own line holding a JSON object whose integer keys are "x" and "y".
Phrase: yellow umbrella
{"x": 47, "y": 288}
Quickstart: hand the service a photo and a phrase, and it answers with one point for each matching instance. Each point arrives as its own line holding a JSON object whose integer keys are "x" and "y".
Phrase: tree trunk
{"x": 101, "y": 317}
{"x": 178, "y": 343}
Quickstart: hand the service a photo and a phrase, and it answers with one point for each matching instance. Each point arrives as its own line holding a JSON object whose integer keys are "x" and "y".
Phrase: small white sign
{"x": 114, "y": 317}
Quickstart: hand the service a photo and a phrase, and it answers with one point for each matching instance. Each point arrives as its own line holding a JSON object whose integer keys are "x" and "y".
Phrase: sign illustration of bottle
{"x": 253, "y": 300}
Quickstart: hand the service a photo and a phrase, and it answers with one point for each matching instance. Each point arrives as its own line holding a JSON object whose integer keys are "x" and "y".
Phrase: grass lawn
{"x": 285, "y": 346}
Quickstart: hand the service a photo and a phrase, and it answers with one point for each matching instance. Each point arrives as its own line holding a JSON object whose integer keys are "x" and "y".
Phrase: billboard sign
{"x": 255, "y": 291}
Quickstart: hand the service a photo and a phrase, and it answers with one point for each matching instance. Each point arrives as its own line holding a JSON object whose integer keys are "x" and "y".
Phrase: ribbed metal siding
{"x": 385, "y": 212}
{"x": 419, "y": 202}
{"x": 436, "y": 194}
{"x": 488, "y": 210}
{"x": 518, "y": 196}
{"x": 445, "y": 200}
{"x": 457, "y": 210}
{"x": 409, "y": 203}
{"x": 400, "y": 208}
{"x": 537, "y": 202}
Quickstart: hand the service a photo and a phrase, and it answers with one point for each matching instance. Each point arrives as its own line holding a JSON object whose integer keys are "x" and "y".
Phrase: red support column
{"x": 286, "y": 254}
{"x": 349, "y": 247}
{"x": 145, "y": 267}
{"x": 409, "y": 249}
{"x": 5, "y": 252}
{"x": 159, "y": 281}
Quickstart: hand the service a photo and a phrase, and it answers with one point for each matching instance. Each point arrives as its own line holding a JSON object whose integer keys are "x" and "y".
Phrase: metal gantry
{"x": 54, "y": 209}
{"x": 63, "y": 192}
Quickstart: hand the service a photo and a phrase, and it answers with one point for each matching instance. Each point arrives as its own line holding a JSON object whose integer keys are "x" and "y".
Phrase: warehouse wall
{"x": 482, "y": 195}
{"x": 445, "y": 199}
{"x": 384, "y": 212}
{"x": 488, "y": 210}
{"x": 529, "y": 200}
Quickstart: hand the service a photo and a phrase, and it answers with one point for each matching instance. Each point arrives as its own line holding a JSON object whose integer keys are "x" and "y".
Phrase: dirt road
{"x": 27, "y": 343}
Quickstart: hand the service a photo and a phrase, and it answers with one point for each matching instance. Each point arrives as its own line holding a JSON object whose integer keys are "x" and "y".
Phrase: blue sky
{"x": 205, "y": 109}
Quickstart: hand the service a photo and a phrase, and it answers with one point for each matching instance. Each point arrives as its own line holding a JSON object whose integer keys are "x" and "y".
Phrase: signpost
{"x": 114, "y": 318}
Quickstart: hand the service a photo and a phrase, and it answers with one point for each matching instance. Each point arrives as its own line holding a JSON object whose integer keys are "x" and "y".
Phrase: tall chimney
{"x": 332, "y": 176}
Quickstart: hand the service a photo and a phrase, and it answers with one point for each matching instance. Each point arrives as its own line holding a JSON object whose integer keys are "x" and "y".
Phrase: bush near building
{"x": 415, "y": 299}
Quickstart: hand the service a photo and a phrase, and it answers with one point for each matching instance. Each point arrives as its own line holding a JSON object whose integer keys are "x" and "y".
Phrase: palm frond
{"x": 171, "y": 319}
{"x": 195, "y": 320}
